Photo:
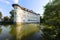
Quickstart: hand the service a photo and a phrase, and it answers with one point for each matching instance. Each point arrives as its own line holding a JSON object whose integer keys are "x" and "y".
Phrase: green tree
{"x": 0, "y": 15}
{"x": 6, "y": 19}
{"x": 52, "y": 13}
{"x": 52, "y": 18}
{"x": 12, "y": 15}
{"x": 41, "y": 20}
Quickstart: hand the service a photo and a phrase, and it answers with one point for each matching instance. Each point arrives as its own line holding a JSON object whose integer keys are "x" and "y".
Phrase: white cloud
{"x": 16, "y": 1}
{"x": 5, "y": 1}
{"x": 0, "y": 9}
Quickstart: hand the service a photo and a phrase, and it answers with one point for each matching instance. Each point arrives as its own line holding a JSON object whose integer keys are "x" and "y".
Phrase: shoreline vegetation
{"x": 12, "y": 23}
{"x": 6, "y": 23}
{"x": 7, "y": 19}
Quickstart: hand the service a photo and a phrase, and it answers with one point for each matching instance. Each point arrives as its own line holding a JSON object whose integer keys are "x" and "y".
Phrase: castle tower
{"x": 17, "y": 14}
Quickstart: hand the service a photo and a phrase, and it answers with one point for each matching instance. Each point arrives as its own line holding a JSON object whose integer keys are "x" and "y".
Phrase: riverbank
{"x": 6, "y": 23}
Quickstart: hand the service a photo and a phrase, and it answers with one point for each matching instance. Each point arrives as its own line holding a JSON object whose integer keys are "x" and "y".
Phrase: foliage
{"x": 52, "y": 14}
{"x": 41, "y": 20}
{"x": 12, "y": 15}
{"x": 0, "y": 14}
{"x": 49, "y": 32}
{"x": 6, "y": 19}
{"x": 52, "y": 18}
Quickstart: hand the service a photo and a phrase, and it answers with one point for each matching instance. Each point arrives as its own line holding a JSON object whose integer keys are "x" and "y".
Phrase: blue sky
{"x": 35, "y": 5}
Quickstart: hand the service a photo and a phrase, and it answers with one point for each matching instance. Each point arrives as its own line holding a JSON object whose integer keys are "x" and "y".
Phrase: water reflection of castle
{"x": 25, "y": 15}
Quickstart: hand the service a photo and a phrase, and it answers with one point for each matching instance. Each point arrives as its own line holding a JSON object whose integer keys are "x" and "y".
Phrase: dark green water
{"x": 20, "y": 32}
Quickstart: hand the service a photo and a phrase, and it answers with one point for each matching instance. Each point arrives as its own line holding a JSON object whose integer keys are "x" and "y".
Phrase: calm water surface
{"x": 20, "y": 32}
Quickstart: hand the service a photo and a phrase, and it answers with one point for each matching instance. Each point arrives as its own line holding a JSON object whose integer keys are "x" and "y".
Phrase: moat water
{"x": 20, "y": 32}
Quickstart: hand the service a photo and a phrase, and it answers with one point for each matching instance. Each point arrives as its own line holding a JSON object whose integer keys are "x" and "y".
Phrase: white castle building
{"x": 25, "y": 15}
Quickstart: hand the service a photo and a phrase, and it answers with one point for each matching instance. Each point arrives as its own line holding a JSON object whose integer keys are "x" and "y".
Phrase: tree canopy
{"x": 0, "y": 14}
{"x": 6, "y": 19}
{"x": 52, "y": 13}
{"x": 12, "y": 15}
{"x": 52, "y": 18}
